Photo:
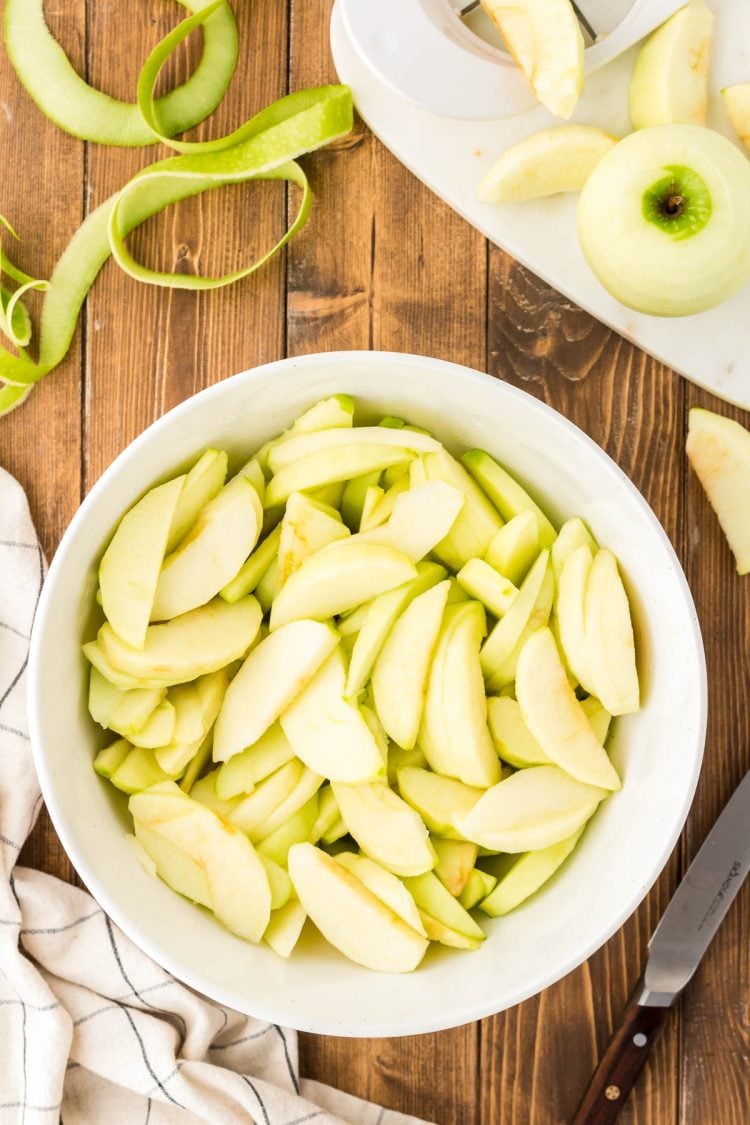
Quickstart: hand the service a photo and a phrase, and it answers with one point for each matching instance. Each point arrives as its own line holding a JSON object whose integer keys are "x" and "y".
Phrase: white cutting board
{"x": 712, "y": 348}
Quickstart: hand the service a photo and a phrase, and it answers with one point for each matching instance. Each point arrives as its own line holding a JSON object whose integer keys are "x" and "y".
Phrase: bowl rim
{"x": 155, "y": 949}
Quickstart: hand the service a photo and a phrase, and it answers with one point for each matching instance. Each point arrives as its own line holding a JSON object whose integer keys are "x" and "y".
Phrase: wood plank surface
{"x": 384, "y": 264}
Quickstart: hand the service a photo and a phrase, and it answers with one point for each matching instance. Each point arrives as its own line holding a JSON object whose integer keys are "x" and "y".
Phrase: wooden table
{"x": 384, "y": 264}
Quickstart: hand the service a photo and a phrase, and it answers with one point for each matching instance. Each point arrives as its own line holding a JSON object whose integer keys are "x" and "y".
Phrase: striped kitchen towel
{"x": 91, "y": 1030}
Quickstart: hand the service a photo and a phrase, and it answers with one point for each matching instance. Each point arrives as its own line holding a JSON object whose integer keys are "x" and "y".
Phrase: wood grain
{"x": 384, "y": 264}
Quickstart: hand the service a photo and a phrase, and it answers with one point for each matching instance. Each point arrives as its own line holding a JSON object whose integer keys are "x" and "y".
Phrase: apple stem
{"x": 674, "y": 204}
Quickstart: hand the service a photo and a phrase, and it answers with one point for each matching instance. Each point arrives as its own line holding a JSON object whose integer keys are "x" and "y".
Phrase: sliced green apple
{"x": 681, "y": 242}
{"x": 573, "y": 534}
{"x": 112, "y": 675}
{"x": 609, "y": 638}
{"x": 422, "y": 517}
{"x": 514, "y": 742}
{"x": 384, "y": 885}
{"x": 435, "y": 901}
{"x": 454, "y": 734}
{"x": 719, "y": 451}
{"x": 545, "y": 39}
{"x": 598, "y": 716}
{"x": 251, "y": 573}
{"x": 296, "y": 449}
{"x": 121, "y": 711}
{"x": 159, "y": 728}
{"x": 670, "y": 78}
{"x": 268, "y": 795}
{"x": 278, "y": 881}
{"x": 569, "y": 613}
{"x": 189, "y": 646}
{"x": 130, "y": 567}
{"x": 379, "y": 619}
{"x": 203, "y": 482}
{"x": 204, "y": 791}
{"x": 274, "y": 673}
{"x": 240, "y": 774}
{"x": 329, "y": 413}
{"x": 350, "y": 916}
{"x": 354, "y": 495}
{"x": 329, "y": 734}
{"x": 306, "y": 527}
{"x": 479, "y": 885}
{"x": 476, "y": 523}
{"x": 307, "y": 787}
{"x": 530, "y": 611}
{"x": 139, "y": 770}
{"x": 401, "y": 672}
{"x": 338, "y": 578}
{"x": 111, "y": 758}
{"x": 296, "y": 830}
{"x": 555, "y": 717}
{"x": 526, "y": 875}
{"x": 737, "y": 103}
{"x": 268, "y": 587}
{"x": 456, "y": 859}
{"x": 386, "y": 828}
{"x": 373, "y": 496}
{"x": 506, "y": 493}
{"x": 516, "y": 546}
{"x": 196, "y": 706}
{"x": 174, "y": 866}
{"x": 284, "y": 929}
{"x": 329, "y": 826}
{"x": 487, "y": 585}
{"x": 379, "y": 502}
{"x": 442, "y": 802}
{"x": 531, "y": 809}
{"x": 546, "y": 163}
{"x": 339, "y": 463}
{"x": 239, "y": 893}
{"x": 399, "y": 758}
{"x": 211, "y": 554}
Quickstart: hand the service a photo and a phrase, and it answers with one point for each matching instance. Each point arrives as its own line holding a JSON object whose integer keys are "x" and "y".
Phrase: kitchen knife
{"x": 690, "y": 922}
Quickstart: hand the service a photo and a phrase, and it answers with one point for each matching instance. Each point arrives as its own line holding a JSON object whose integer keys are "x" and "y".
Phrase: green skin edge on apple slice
{"x": 679, "y": 204}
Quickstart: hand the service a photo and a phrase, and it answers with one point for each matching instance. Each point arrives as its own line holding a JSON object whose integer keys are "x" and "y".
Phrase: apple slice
{"x": 399, "y": 758}
{"x": 478, "y": 886}
{"x": 138, "y": 771}
{"x": 254, "y": 809}
{"x": 546, "y": 163}
{"x": 305, "y": 529}
{"x": 174, "y": 866}
{"x": 329, "y": 734}
{"x": 385, "y": 827}
{"x": 531, "y": 809}
{"x": 129, "y": 570}
{"x": 719, "y": 451}
{"x": 554, "y": 716}
{"x": 211, "y": 554}
{"x": 670, "y": 78}
{"x": 189, "y": 646}
{"x": 598, "y": 716}
{"x": 239, "y": 893}
{"x": 284, "y": 929}
{"x": 159, "y": 728}
{"x": 329, "y": 413}
{"x": 609, "y": 638}
{"x": 241, "y": 773}
{"x": 196, "y": 706}
{"x": 442, "y": 802}
{"x": 435, "y": 902}
{"x": 380, "y": 502}
{"x": 569, "y": 613}
{"x": 546, "y": 41}
{"x": 296, "y": 830}
{"x": 505, "y": 492}
{"x": 307, "y": 787}
{"x": 111, "y": 757}
{"x": 514, "y": 742}
{"x": 373, "y": 496}
{"x": 530, "y": 611}
{"x": 487, "y": 585}
{"x": 454, "y": 734}
{"x": 737, "y": 103}
{"x": 476, "y": 523}
{"x": 295, "y": 449}
{"x": 278, "y": 881}
{"x": 516, "y": 546}
{"x": 384, "y": 885}
{"x": 573, "y": 534}
{"x": 203, "y": 482}
{"x": 338, "y": 463}
{"x": 251, "y": 573}
{"x": 380, "y": 616}
{"x": 456, "y": 859}
{"x": 422, "y": 517}
{"x": 274, "y": 673}
{"x": 526, "y": 875}
{"x": 204, "y": 791}
{"x": 328, "y": 827}
{"x": 401, "y": 672}
{"x": 121, "y": 711}
{"x": 681, "y": 242}
{"x": 112, "y": 675}
{"x": 338, "y": 578}
{"x": 354, "y": 496}
{"x": 350, "y": 916}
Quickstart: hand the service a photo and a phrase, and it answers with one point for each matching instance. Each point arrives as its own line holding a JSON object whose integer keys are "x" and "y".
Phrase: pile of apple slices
{"x": 381, "y": 678}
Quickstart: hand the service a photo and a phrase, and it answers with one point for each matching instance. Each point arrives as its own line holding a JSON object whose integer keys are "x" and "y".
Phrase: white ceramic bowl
{"x": 658, "y": 751}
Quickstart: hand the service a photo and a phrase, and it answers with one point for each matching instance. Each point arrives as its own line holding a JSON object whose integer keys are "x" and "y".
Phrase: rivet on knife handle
{"x": 621, "y": 1063}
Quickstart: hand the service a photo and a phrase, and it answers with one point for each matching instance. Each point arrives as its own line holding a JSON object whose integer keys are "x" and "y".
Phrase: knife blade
{"x": 689, "y": 924}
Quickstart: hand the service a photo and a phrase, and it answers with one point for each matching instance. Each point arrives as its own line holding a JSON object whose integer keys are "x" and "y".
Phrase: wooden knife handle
{"x": 621, "y": 1063}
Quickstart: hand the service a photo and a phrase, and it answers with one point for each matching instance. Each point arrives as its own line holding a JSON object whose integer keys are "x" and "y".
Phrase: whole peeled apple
{"x": 664, "y": 220}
